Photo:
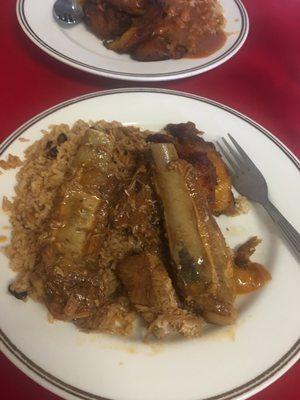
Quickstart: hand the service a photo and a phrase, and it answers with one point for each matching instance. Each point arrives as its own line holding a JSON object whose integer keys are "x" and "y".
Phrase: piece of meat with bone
{"x": 150, "y": 290}
{"x": 202, "y": 262}
{"x": 67, "y": 276}
{"x": 206, "y": 173}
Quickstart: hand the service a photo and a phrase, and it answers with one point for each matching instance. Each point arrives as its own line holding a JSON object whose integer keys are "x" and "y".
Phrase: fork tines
{"x": 236, "y": 156}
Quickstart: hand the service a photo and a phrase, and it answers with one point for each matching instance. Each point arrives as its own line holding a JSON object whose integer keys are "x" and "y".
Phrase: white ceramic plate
{"x": 226, "y": 363}
{"x": 81, "y": 49}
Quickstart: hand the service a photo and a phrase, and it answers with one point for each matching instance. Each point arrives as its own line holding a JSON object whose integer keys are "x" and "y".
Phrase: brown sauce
{"x": 250, "y": 278}
{"x": 209, "y": 44}
{"x": 192, "y": 25}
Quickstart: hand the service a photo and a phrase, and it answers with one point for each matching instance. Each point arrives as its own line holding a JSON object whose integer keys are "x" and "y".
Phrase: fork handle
{"x": 290, "y": 234}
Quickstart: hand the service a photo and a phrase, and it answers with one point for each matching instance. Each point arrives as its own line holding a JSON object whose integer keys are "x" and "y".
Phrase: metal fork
{"x": 249, "y": 181}
{"x": 67, "y": 12}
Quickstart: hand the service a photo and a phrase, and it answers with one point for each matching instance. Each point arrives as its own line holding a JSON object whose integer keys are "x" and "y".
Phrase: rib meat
{"x": 202, "y": 262}
{"x": 150, "y": 290}
{"x": 68, "y": 276}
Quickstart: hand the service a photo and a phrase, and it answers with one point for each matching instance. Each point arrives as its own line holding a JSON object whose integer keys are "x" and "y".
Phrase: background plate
{"x": 79, "y": 48}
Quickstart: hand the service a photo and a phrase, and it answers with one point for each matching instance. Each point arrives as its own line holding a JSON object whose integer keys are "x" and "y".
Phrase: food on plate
{"x": 11, "y": 162}
{"x": 153, "y": 30}
{"x": 111, "y": 224}
{"x": 150, "y": 291}
{"x": 249, "y": 275}
{"x": 203, "y": 263}
{"x": 211, "y": 170}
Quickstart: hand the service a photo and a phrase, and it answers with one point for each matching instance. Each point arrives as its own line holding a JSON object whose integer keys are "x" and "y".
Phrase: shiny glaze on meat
{"x": 203, "y": 263}
{"x": 67, "y": 275}
{"x": 212, "y": 174}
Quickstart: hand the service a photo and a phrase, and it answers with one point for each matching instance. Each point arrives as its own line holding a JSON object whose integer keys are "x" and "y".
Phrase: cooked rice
{"x": 7, "y": 205}
{"x": 11, "y": 162}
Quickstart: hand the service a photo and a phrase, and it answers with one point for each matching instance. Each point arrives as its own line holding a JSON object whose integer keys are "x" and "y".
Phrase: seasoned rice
{"x": 11, "y": 162}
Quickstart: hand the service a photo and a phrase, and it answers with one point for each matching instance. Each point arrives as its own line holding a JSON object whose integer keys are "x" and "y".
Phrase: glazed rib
{"x": 71, "y": 284}
{"x": 203, "y": 263}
